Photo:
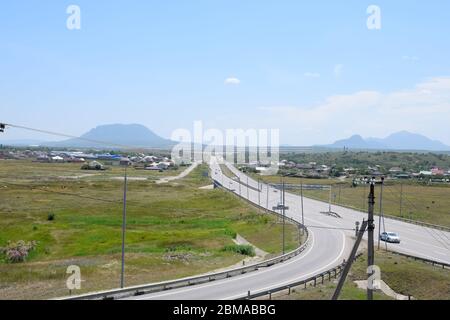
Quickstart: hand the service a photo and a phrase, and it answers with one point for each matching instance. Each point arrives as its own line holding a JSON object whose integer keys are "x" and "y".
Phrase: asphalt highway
{"x": 331, "y": 240}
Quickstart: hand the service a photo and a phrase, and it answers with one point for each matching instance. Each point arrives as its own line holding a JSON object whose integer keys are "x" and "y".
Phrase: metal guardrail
{"x": 314, "y": 280}
{"x": 173, "y": 284}
{"x": 334, "y": 272}
{"x": 432, "y": 262}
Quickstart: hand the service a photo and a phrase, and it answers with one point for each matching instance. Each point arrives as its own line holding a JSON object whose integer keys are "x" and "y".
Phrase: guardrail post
{"x": 248, "y": 295}
{"x": 270, "y": 295}
{"x": 329, "y": 276}
{"x": 289, "y": 293}
{"x": 315, "y": 282}
{"x": 323, "y": 276}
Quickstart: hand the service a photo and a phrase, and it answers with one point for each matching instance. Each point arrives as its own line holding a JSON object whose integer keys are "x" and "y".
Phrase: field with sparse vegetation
{"x": 173, "y": 230}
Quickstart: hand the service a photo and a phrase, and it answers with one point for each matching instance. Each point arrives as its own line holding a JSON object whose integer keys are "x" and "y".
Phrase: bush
{"x": 16, "y": 252}
{"x": 246, "y": 250}
{"x": 231, "y": 233}
{"x": 51, "y": 217}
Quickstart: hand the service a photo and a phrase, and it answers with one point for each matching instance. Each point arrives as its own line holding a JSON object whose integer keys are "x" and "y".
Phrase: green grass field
{"x": 173, "y": 230}
{"x": 425, "y": 203}
{"x": 405, "y": 276}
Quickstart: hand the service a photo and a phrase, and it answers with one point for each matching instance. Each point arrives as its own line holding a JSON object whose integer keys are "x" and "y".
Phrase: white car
{"x": 391, "y": 237}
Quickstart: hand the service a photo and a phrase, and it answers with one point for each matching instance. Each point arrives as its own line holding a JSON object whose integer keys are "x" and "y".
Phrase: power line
{"x": 105, "y": 143}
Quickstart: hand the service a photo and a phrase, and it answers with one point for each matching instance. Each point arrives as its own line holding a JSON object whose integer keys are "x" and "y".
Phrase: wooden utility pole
{"x": 370, "y": 228}
{"x": 303, "y": 213}
{"x": 381, "y": 212}
{"x": 247, "y": 190}
{"x": 401, "y": 199}
{"x": 350, "y": 260}
{"x": 124, "y": 224}
{"x": 259, "y": 196}
{"x": 284, "y": 220}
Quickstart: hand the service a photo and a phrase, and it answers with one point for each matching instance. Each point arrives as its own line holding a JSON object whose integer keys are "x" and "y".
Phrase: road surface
{"x": 331, "y": 240}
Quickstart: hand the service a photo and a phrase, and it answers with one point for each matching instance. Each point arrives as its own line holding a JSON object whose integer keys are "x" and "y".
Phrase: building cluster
{"x": 315, "y": 170}
{"x": 92, "y": 161}
{"x": 311, "y": 169}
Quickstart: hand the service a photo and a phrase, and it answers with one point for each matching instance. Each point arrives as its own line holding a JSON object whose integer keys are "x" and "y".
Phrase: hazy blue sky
{"x": 313, "y": 70}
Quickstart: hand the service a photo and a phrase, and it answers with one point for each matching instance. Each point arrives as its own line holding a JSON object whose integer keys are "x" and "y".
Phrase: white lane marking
{"x": 237, "y": 277}
{"x": 441, "y": 253}
{"x": 298, "y": 278}
{"x": 403, "y": 226}
{"x": 424, "y": 244}
{"x": 418, "y": 254}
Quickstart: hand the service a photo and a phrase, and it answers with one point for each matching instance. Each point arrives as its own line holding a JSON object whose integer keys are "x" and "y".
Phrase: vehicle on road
{"x": 391, "y": 237}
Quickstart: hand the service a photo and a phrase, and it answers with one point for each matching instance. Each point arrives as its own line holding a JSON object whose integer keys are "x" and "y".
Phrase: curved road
{"x": 330, "y": 243}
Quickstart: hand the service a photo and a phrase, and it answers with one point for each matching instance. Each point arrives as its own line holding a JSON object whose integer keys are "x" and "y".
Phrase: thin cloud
{"x": 424, "y": 108}
{"x": 410, "y": 58}
{"x": 232, "y": 81}
{"x": 337, "y": 70}
{"x": 312, "y": 75}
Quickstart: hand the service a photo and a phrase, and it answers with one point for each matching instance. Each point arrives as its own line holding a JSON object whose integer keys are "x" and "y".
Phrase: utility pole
{"x": 381, "y": 212}
{"x": 329, "y": 200}
{"x": 339, "y": 199}
{"x": 259, "y": 196}
{"x": 401, "y": 199}
{"x": 303, "y": 213}
{"x": 281, "y": 189}
{"x": 267, "y": 197}
{"x": 124, "y": 221}
{"x": 370, "y": 228}
{"x": 284, "y": 219}
{"x": 350, "y": 260}
{"x": 239, "y": 179}
{"x": 247, "y": 190}
{"x": 282, "y": 207}
{"x": 364, "y": 193}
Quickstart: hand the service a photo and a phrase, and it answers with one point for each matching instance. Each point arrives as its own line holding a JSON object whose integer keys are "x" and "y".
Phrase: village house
{"x": 436, "y": 171}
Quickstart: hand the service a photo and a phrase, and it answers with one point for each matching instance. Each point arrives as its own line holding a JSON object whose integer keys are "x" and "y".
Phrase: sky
{"x": 312, "y": 69}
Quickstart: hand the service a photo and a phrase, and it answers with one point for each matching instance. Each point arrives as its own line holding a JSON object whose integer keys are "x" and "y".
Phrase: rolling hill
{"x": 402, "y": 140}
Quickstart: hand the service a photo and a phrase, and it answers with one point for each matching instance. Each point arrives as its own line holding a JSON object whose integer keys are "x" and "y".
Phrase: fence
{"x": 314, "y": 280}
{"x": 432, "y": 262}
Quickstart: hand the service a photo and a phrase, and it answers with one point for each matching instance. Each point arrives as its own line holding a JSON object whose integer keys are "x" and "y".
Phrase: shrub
{"x": 51, "y": 217}
{"x": 246, "y": 250}
{"x": 16, "y": 252}
{"x": 231, "y": 233}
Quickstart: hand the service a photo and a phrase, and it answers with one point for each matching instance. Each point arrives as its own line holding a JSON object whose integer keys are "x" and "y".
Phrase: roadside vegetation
{"x": 173, "y": 230}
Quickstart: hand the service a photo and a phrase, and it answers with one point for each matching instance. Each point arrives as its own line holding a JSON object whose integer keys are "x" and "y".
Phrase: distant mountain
{"x": 116, "y": 135}
{"x": 402, "y": 140}
{"x": 357, "y": 142}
